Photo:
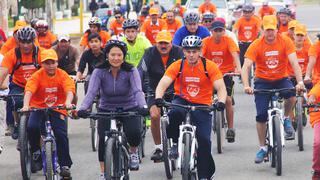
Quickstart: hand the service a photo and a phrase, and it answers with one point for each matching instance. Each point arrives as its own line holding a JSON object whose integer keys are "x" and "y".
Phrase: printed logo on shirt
{"x": 51, "y": 97}
{"x": 218, "y": 60}
{"x": 192, "y": 79}
{"x": 193, "y": 90}
{"x": 248, "y": 34}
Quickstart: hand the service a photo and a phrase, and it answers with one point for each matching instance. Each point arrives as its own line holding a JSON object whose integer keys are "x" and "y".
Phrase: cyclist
{"x": 222, "y": 50}
{"x": 207, "y": 6}
{"x": 179, "y": 9}
{"x": 247, "y": 29}
{"x": 266, "y": 9}
{"x": 152, "y": 26}
{"x": 50, "y": 86}
{"x": 20, "y": 62}
{"x": 3, "y": 37}
{"x": 313, "y": 68}
{"x": 95, "y": 27}
{"x": 33, "y": 22}
{"x": 315, "y": 122}
{"x": 207, "y": 19}
{"x": 116, "y": 24}
{"x": 290, "y": 33}
{"x": 227, "y": 31}
{"x": 191, "y": 20}
{"x": 136, "y": 43}
{"x": 173, "y": 24}
{"x": 119, "y": 85}
{"x": 271, "y": 53}
{"x": 68, "y": 55}
{"x": 154, "y": 63}
{"x": 193, "y": 86}
{"x": 144, "y": 14}
{"x": 284, "y": 18}
{"x": 45, "y": 37}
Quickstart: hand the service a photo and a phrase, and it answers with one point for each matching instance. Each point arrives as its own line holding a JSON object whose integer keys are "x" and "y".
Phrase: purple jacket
{"x": 123, "y": 92}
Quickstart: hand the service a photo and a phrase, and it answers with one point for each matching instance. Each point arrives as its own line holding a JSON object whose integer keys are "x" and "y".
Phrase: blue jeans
{"x": 36, "y": 126}
{"x": 202, "y": 120}
{"x": 15, "y": 102}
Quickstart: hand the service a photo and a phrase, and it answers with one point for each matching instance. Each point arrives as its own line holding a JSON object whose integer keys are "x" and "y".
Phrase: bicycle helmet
{"x": 284, "y": 11}
{"x": 33, "y": 22}
{"x": 191, "y": 17}
{"x": 208, "y": 15}
{"x": 112, "y": 43}
{"x": 42, "y": 24}
{"x": 26, "y": 34}
{"x": 95, "y": 21}
{"x": 130, "y": 23}
{"x": 248, "y": 7}
{"x": 192, "y": 41}
{"x": 117, "y": 10}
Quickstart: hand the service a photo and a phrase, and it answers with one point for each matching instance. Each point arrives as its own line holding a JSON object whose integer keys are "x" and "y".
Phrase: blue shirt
{"x": 182, "y": 32}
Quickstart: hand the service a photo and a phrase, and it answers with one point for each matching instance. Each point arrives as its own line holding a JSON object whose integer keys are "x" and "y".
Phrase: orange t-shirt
{"x": 47, "y": 40}
{"x": 266, "y": 11}
{"x": 116, "y": 27}
{"x": 248, "y": 30}
{"x": 164, "y": 61}
{"x": 182, "y": 10}
{"x": 303, "y": 60}
{"x": 271, "y": 59}
{"x": 315, "y": 116}
{"x": 220, "y": 53}
{"x": 282, "y": 28}
{"x": 207, "y": 8}
{"x": 195, "y": 86}
{"x": 151, "y": 30}
{"x": 11, "y": 44}
{"x": 49, "y": 91}
{"x": 172, "y": 28}
{"x": 105, "y": 36}
{"x": 24, "y": 72}
{"x": 315, "y": 51}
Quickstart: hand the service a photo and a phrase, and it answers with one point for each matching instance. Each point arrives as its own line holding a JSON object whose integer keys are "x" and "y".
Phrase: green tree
{"x": 33, "y": 4}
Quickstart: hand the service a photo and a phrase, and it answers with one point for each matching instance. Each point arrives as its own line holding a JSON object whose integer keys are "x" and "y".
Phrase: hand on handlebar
{"x": 83, "y": 113}
{"x": 220, "y": 106}
{"x": 159, "y": 102}
{"x": 300, "y": 87}
{"x": 24, "y": 109}
{"x": 248, "y": 90}
{"x": 311, "y": 99}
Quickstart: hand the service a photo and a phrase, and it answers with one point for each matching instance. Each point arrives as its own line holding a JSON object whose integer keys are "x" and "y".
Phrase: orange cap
{"x": 300, "y": 29}
{"x": 48, "y": 54}
{"x": 269, "y": 22}
{"x": 178, "y": 1}
{"x": 164, "y": 36}
{"x": 153, "y": 11}
{"x": 292, "y": 24}
{"x": 19, "y": 24}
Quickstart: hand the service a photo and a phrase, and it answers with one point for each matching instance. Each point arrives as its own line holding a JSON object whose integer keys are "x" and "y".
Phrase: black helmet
{"x": 284, "y": 11}
{"x": 192, "y": 41}
{"x": 33, "y": 22}
{"x": 248, "y": 7}
{"x": 130, "y": 23}
{"x": 112, "y": 43}
{"x": 26, "y": 34}
{"x": 191, "y": 17}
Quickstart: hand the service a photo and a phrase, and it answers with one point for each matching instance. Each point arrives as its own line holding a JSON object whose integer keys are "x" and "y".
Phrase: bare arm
{"x": 295, "y": 66}
{"x": 236, "y": 61}
{"x": 220, "y": 87}
{"x": 3, "y": 74}
{"x": 69, "y": 99}
{"x": 245, "y": 72}
{"x": 26, "y": 100}
{"x": 311, "y": 63}
{"x": 163, "y": 86}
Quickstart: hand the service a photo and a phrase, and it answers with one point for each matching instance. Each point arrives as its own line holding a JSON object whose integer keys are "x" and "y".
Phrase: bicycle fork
{"x": 271, "y": 113}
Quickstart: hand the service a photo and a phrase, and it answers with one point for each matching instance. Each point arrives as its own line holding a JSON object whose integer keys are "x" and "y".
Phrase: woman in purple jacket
{"x": 119, "y": 85}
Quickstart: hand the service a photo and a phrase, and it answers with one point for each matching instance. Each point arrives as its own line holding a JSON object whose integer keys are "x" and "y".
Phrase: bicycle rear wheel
{"x": 218, "y": 115}
{"x": 165, "y": 147}
{"x": 94, "y": 134}
{"x": 25, "y": 154}
{"x": 143, "y": 136}
{"x": 111, "y": 164}
{"x": 49, "y": 164}
{"x": 277, "y": 147}
{"x": 299, "y": 121}
{"x": 185, "y": 169}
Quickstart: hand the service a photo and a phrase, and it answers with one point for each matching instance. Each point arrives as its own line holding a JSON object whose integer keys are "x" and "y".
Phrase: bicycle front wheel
{"x": 218, "y": 115}
{"x": 165, "y": 146}
{"x": 111, "y": 164}
{"x": 277, "y": 145}
{"x": 25, "y": 154}
{"x": 94, "y": 134}
{"x": 185, "y": 170}
{"x": 49, "y": 164}
{"x": 299, "y": 120}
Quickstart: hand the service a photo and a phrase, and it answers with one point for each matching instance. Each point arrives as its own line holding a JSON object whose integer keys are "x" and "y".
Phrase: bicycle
{"x": 48, "y": 146}
{"x": 187, "y": 142}
{"x": 116, "y": 162}
{"x": 275, "y": 129}
{"x": 300, "y": 118}
{"x": 219, "y": 123}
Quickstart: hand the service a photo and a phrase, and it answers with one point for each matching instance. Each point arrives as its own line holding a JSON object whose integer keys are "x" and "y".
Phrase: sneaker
{"x": 231, "y": 135}
{"x": 36, "y": 162}
{"x": 1, "y": 149}
{"x": 157, "y": 155}
{"x": 173, "y": 154}
{"x": 134, "y": 162}
{"x": 102, "y": 177}
{"x": 295, "y": 125}
{"x": 18, "y": 146}
{"x": 288, "y": 129}
{"x": 316, "y": 175}
{"x": 65, "y": 172}
{"x": 260, "y": 156}
{"x": 8, "y": 131}
{"x": 15, "y": 133}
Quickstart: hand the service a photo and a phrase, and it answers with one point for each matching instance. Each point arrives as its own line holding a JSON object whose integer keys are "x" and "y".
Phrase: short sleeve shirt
{"x": 47, "y": 40}
{"x": 248, "y": 30}
{"x": 105, "y": 36}
{"x": 303, "y": 59}
{"x": 116, "y": 27}
{"x": 315, "y": 51}
{"x": 151, "y": 30}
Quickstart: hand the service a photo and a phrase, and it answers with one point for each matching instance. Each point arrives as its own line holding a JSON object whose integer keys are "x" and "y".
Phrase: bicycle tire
{"x": 277, "y": 145}
{"x": 25, "y": 154}
{"x": 142, "y": 141}
{"x": 94, "y": 135}
{"x": 299, "y": 116}
{"x": 218, "y": 129}
{"x": 110, "y": 159}
{"x": 49, "y": 166}
{"x": 165, "y": 147}
{"x": 185, "y": 169}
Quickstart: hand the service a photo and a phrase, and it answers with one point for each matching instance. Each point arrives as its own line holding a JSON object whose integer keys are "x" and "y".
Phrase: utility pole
{"x": 50, "y": 10}
{"x": 4, "y": 15}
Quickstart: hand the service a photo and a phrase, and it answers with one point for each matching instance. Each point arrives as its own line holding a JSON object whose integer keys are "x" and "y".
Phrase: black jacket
{"x": 152, "y": 67}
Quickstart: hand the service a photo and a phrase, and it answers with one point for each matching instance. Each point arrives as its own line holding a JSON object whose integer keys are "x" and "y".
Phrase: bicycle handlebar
{"x": 113, "y": 114}
{"x": 231, "y": 74}
{"x": 272, "y": 91}
{"x": 5, "y": 96}
{"x": 77, "y": 81}
{"x": 190, "y": 107}
{"x": 59, "y": 107}
{"x": 311, "y": 105}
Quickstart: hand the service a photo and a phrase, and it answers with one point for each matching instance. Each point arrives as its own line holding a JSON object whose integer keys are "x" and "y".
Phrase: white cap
{"x": 64, "y": 37}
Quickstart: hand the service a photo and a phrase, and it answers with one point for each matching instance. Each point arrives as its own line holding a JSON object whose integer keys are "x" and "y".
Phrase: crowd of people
{"x": 182, "y": 60}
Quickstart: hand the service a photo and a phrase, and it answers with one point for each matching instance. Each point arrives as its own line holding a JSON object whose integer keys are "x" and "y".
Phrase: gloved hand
{"x": 144, "y": 111}
{"x": 83, "y": 113}
{"x": 220, "y": 106}
{"x": 159, "y": 102}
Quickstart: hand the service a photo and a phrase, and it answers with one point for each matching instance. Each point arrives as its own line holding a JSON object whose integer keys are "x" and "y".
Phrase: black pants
{"x": 131, "y": 128}
{"x": 243, "y": 46}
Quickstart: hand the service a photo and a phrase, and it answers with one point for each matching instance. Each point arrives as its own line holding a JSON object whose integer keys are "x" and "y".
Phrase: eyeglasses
{"x": 218, "y": 30}
{"x": 207, "y": 21}
{"x": 117, "y": 17}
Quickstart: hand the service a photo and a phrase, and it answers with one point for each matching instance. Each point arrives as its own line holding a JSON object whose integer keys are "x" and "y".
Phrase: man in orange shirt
{"x": 194, "y": 79}
{"x": 313, "y": 68}
{"x": 247, "y": 29}
{"x": 45, "y": 37}
{"x": 172, "y": 23}
{"x": 207, "y": 6}
{"x": 284, "y": 19}
{"x": 116, "y": 24}
{"x": 266, "y": 10}
{"x": 152, "y": 26}
{"x": 179, "y": 9}
{"x": 291, "y": 26}
{"x": 50, "y": 86}
{"x": 222, "y": 50}
{"x": 271, "y": 54}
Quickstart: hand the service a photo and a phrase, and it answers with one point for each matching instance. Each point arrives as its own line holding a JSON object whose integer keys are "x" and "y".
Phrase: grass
{"x": 307, "y": 1}
{"x": 10, "y": 23}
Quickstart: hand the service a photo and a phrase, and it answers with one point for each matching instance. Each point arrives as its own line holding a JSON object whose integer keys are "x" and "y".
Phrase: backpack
{"x": 19, "y": 56}
{"x": 203, "y": 60}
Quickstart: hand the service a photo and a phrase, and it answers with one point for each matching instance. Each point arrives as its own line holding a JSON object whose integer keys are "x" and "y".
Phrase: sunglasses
{"x": 207, "y": 21}
{"x": 117, "y": 17}
{"x": 25, "y": 41}
{"x": 218, "y": 30}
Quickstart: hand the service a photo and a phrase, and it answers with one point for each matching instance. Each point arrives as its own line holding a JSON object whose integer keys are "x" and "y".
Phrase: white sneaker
{"x": 101, "y": 177}
{"x": 1, "y": 149}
